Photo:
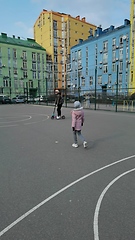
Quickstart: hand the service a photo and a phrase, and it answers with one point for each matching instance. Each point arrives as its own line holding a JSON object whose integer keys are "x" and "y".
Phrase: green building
{"x": 22, "y": 67}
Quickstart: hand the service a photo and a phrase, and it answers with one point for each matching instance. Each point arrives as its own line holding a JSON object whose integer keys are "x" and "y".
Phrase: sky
{"x": 17, "y": 17}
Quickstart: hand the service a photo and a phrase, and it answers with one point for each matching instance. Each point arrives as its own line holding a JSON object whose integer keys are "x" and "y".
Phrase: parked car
{"x": 18, "y": 99}
{"x": 40, "y": 99}
{"x": 4, "y": 99}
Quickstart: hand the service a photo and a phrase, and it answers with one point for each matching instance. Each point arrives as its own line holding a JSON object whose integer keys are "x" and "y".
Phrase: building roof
{"x": 28, "y": 43}
{"x": 101, "y": 33}
{"x": 83, "y": 19}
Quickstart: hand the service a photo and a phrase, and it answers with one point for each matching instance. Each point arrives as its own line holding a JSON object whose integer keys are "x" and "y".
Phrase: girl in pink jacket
{"x": 77, "y": 123}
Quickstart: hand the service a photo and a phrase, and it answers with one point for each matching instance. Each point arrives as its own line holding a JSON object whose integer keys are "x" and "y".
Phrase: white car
{"x": 39, "y": 98}
{"x": 18, "y": 99}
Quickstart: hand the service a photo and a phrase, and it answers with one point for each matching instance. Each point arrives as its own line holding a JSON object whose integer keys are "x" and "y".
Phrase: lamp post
{"x": 117, "y": 80}
{"x": 95, "y": 87}
{"x": 10, "y": 90}
{"x": 46, "y": 89}
{"x": 79, "y": 87}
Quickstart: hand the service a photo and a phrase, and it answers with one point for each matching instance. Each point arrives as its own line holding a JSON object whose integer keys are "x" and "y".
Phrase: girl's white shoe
{"x": 85, "y": 144}
{"x": 75, "y": 145}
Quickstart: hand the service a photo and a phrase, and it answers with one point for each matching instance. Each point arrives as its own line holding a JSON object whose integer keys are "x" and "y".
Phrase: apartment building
{"x": 132, "y": 48}
{"x": 22, "y": 66}
{"x": 102, "y": 61}
{"x": 57, "y": 33}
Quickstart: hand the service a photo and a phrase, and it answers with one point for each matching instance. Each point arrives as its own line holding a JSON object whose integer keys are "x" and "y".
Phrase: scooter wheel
{"x": 52, "y": 117}
{"x": 63, "y": 117}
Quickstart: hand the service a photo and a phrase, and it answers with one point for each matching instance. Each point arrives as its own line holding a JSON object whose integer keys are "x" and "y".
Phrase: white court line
{"x": 8, "y": 126}
{"x": 57, "y": 193}
{"x": 96, "y": 214}
{"x": 47, "y": 117}
{"x": 21, "y": 120}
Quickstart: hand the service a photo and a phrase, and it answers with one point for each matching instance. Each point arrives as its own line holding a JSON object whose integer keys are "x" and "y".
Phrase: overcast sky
{"x": 18, "y": 17}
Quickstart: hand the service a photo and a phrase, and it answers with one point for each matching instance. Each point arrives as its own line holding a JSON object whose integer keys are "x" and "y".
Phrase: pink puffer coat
{"x": 77, "y": 118}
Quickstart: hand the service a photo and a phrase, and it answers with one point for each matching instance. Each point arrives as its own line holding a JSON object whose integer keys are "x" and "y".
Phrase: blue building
{"x": 101, "y": 62}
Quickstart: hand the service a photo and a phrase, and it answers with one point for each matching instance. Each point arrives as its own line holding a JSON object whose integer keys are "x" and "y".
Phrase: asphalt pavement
{"x": 52, "y": 191}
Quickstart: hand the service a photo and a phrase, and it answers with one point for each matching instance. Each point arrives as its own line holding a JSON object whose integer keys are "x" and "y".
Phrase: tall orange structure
{"x": 57, "y": 33}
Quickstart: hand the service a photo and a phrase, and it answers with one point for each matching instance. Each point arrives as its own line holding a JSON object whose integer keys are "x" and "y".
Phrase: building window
{"x": 114, "y": 43}
{"x": 33, "y": 56}
{"x": 9, "y": 63}
{"x": 25, "y": 74}
{"x": 126, "y": 52}
{"x": 127, "y": 63}
{"x": 16, "y": 84}
{"x": 109, "y": 79}
{"x": 120, "y": 87}
{"x": 21, "y": 83}
{"x": 120, "y": 66}
{"x": 43, "y": 58}
{"x": 24, "y": 64}
{"x": 121, "y": 41}
{"x": 105, "y": 57}
{"x": 34, "y": 66}
{"x": 14, "y": 53}
{"x": 126, "y": 78}
{"x": 105, "y": 68}
{"x": 39, "y": 75}
{"x": 120, "y": 78}
{"x": 9, "y": 53}
{"x": 105, "y": 46}
{"x": 79, "y": 54}
{"x": 121, "y": 54}
{"x": 113, "y": 56}
{"x": 91, "y": 80}
{"x": 38, "y": 57}
{"x": 99, "y": 80}
{"x": 5, "y": 83}
{"x": 83, "y": 81}
{"x": 54, "y": 25}
{"x": 30, "y": 84}
{"x": 24, "y": 55}
{"x": 91, "y": 32}
{"x": 114, "y": 67}
{"x": 55, "y": 42}
{"x": 15, "y": 72}
{"x": 34, "y": 75}
{"x": 14, "y": 63}
{"x": 131, "y": 76}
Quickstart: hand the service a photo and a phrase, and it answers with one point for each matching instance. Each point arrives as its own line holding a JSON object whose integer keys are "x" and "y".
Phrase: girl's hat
{"x": 57, "y": 91}
{"x": 77, "y": 104}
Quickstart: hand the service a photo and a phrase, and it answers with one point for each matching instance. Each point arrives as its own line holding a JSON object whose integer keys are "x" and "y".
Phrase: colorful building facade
{"x": 102, "y": 61}
{"x": 57, "y": 33}
{"x": 22, "y": 66}
{"x": 132, "y": 48}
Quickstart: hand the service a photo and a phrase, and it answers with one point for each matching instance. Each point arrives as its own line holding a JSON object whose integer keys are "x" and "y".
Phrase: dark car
{"x": 4, "y": 99}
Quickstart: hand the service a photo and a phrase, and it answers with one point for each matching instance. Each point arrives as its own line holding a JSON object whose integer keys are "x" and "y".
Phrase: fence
{"x": 90, "y": 99}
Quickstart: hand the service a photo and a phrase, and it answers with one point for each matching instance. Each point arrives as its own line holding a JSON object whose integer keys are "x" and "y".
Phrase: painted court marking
{"x": 19, "y": 120}
{"x": 96, "y": 214}
{"x": 58, "y": 192}
{"x": 16, "y": 122}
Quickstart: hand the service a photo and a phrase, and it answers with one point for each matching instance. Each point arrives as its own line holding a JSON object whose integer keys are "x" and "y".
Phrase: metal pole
{"x": 95, "y": 87}
{"x": 117, "y": 78}
{"x": 78, "y": 85}
{"x": 46, "y": 91}
{"x": 10, "y": 83}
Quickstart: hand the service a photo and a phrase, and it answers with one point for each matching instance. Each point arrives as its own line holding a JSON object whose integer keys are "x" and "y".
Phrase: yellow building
{"x": 57, "y": 33}
{"x": 132, "y": 48}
